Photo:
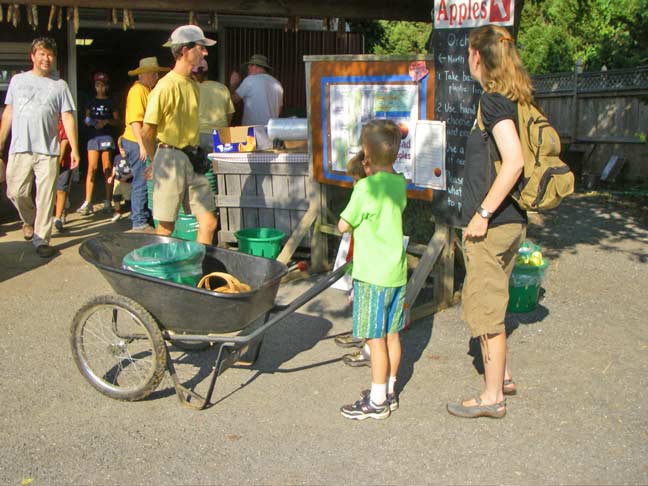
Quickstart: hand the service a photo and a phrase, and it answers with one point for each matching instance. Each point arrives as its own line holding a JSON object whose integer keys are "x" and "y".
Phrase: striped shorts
{"x": 377, "y": 310}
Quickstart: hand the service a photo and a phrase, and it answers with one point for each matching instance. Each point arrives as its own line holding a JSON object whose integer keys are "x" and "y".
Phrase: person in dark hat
{"x": 147, "y": 72}
{"x": 262, "y": 94}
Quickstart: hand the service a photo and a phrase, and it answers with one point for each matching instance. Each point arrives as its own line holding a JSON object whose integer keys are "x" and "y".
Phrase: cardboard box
{"x": 246, "y": 138}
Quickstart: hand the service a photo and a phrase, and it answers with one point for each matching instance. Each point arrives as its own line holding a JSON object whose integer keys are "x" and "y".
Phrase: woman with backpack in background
{"x": 495, "y": 226}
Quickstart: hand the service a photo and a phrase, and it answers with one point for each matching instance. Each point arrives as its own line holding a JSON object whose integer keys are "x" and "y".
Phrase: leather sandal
{"x": 496, "y": 410}
{"x": 509, "y": 388}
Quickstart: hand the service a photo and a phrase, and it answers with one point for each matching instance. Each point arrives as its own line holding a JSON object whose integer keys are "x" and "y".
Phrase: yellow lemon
{"x": 523, "y": 260}
{"x": 535, "y": 259}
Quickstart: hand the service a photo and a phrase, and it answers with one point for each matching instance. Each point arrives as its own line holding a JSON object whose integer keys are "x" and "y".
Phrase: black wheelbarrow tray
{"x": 119, "y": 341}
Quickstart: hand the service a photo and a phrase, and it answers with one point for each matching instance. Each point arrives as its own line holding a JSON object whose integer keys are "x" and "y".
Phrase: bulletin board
{"x": 344, "y": 92}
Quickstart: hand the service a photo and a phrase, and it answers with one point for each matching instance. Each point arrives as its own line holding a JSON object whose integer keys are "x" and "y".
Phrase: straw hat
{"x": 259, "y": 60}
{"x": 148, "y": 65}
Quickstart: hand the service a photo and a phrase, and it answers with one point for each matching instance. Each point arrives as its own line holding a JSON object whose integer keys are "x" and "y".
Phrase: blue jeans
{"x": 139, "y": 211}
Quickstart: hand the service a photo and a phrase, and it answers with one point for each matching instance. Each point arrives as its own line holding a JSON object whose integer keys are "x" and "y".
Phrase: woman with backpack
{"x": 494, "y": 225}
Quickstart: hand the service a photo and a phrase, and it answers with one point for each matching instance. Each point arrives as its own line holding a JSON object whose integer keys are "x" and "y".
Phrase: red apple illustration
{"x": 404, "y": 130}
{"x": 437, "y": 172}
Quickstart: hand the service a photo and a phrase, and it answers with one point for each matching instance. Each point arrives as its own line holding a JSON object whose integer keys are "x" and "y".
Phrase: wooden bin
{"x": 260, "y": 189}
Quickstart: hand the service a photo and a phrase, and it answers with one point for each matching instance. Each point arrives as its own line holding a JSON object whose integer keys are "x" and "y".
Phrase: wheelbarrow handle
{"x": 320, "y": 286}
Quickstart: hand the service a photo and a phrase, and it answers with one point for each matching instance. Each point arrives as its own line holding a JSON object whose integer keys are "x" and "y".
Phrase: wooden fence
{"x": 598, "y": 115}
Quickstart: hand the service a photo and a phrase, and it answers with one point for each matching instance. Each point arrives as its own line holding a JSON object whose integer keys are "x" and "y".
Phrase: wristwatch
{"x": 484, "y": 213}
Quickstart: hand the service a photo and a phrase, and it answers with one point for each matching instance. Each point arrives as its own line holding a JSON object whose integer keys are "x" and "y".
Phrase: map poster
{"x": 353, "y": 105}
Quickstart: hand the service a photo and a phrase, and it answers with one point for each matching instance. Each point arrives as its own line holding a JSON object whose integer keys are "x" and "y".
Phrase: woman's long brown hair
{"x": 501, "y": 67}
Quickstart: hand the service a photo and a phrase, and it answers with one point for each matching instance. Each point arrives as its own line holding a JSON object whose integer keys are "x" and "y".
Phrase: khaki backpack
{"x": 546, "y": 180}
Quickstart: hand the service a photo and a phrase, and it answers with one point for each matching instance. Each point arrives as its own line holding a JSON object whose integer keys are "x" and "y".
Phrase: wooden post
{"x": 444, "y": 277}
{"x": 421, "y": 272}
{"x": 578, "y": 69}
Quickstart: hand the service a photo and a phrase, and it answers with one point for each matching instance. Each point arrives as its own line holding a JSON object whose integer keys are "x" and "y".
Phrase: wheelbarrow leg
{"x": 185, "y": 394}
{"x": 252, "y": 353}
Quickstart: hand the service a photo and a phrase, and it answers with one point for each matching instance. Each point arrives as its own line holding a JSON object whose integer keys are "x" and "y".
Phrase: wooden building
{"x": 92, "y": 37}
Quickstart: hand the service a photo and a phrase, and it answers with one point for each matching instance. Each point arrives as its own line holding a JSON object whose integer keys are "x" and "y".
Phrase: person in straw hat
{"x": 262, "y": 94}
{"x": 147, "y": 74}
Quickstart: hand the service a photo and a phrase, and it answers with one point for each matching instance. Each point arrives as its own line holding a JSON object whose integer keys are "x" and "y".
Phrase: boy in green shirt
{"x": 374, "y": 214}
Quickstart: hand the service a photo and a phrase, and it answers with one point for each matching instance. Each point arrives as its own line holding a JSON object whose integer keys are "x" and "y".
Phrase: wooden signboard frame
{"x": 326, "y": 71}
{"x": 439, "y": 252}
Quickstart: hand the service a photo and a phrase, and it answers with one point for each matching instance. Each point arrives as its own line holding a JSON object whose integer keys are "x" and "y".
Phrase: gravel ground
{"x": 580, "y": 361}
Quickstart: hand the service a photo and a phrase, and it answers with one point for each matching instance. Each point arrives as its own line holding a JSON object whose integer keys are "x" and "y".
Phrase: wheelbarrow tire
{"x": 118, "y": 347}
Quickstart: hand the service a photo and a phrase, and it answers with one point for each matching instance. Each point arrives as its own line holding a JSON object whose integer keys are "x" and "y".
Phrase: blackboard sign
{"x": 456, "y": 96}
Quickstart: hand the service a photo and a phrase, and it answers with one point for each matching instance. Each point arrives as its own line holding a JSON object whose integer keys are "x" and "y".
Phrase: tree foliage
{"x": 555, "y": 33}
{"x": 392, "y": 37}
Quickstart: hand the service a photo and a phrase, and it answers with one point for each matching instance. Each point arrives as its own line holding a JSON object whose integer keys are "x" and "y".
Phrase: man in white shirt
{"x": 35, "y": 101}
{"x": 261, "y": 93}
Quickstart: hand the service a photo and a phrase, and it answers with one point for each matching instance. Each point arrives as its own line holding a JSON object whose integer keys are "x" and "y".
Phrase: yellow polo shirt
{"x": 215, "y": 105}
{"x": 135, "y": 108}
{"x": 173, "y": 107}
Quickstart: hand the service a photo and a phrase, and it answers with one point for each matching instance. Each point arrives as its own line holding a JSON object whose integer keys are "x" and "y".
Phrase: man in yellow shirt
{"x": 215, "y": 109}
{"x": 147, "y": 73}
{"x": 172, "y": 118}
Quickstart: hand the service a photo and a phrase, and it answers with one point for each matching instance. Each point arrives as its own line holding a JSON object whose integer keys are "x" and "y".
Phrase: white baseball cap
{"x": 186, "y": 34}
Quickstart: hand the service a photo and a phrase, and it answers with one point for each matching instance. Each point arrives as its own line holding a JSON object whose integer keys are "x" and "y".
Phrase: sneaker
{"x": 145, "y": 228}
{"x": 358, "y": 358}
{"x": 392, "y": 399}
{"x": 58, "y": 224}
{"x": 348, "y": 341}
{"x": 85, "y": 209}
{"x": 107, "y": 207}
{"x": 46, "y": 251}
{"x": 364, "y": 409}
{"x": 115, "y": 217}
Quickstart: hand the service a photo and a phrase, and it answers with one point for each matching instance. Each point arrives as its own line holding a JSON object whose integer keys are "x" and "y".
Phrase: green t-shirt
{"x": 375, "y": 211}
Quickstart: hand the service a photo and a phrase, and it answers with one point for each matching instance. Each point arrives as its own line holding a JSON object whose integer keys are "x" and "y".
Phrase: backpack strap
{"x": 486, "y": 138}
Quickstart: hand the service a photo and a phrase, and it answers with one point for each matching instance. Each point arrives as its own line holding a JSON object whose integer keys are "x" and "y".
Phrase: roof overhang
{"x": 412, "y": 10}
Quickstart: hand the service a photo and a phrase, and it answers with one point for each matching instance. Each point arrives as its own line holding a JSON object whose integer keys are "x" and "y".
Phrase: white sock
{"x": 378, "y": 393}
{"x": 390, "y": 384}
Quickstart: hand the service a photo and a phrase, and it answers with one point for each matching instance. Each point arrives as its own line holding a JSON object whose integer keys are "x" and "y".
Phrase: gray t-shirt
{"x": 262, "y": 96}
{"x": 37, "y": 103}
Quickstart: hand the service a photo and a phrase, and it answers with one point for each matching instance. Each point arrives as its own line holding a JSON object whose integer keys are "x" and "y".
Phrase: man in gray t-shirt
{"x": 34, "y": 103}
{"x": 262, "y": 94}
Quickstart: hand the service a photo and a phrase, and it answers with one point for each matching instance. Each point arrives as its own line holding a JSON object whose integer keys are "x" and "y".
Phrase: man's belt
{"x": 167, "y": 146}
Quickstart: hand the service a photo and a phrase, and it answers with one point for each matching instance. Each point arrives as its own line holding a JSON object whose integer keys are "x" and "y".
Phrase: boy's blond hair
{"x": 381, "y": 139}
{"x": 354, "y": 168}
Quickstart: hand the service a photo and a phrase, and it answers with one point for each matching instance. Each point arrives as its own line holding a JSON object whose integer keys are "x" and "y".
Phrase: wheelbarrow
{"x": 120, "y": 341}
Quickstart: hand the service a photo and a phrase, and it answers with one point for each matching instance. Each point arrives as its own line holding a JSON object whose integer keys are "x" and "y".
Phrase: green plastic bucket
{"x": 524, "y": 287}
{"x": 178, "y": 261}
{"x": 263, "y": 242}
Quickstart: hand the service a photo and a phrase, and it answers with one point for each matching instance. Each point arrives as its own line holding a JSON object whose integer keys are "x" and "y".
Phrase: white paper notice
{"x": 429, "y": 154}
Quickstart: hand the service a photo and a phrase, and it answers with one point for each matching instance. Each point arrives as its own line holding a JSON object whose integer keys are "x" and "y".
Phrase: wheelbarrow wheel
{"x": 118, "y": 347}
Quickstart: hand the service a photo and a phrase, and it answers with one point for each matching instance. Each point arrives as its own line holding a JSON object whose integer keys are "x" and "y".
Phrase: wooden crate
{"x": 261, "y": 189}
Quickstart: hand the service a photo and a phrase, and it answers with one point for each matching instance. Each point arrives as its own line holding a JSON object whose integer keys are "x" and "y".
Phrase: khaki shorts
{"x": 489, "y": 263}
{"x": 176, "y": 183}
